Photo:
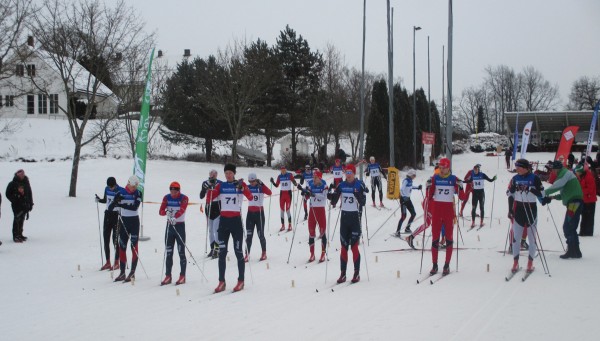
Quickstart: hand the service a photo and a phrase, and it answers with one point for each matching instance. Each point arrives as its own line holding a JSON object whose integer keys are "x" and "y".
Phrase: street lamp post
{"x": 415, "y": 29}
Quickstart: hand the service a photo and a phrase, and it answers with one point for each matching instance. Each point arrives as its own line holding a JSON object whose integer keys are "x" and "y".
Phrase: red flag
{"x": 566, "y": 141}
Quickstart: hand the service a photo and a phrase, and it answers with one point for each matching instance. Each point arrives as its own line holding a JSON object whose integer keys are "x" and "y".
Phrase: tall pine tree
{"x": 377, "y": 143}
{"x": 480, "y": 120}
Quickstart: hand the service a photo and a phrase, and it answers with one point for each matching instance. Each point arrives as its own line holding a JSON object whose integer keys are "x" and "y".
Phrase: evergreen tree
{"x": 480, "y": 120}
{"x": 377, "y": 142}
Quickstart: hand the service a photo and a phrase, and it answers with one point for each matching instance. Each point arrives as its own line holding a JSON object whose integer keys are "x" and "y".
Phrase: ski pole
{"x": 328, "y": 241}
{"x": 100, "y": 235}
{"x": 425, "y": 225}
{"x": 269, "y": 216}
{"x": 556, "y": 228}
{"x": 493, "y": 197}
{"x": 507, "y": 235}
{"x": 188, "y": 250}
{"x": 381, "y": 226}
{"x": 365, "y": 247}
{"x": 541, "y": 247}
{"x": 531, "y": 220}
{"x": 366, "y": 224}
{"x": 132, "y": 247}
{"x": 162, "y": 271}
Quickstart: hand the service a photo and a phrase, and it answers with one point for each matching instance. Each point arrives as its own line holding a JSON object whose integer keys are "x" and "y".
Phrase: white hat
{"x": 372, "y": 158}
{"x": 133, "y": 181}
{"x": 251, "y": 177}
{"x": 411, "y": 172}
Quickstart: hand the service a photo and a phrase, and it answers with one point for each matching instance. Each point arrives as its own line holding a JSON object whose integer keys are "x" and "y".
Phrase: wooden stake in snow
{"x": 78, "y": 267}
{"x": 398, "y": 274}
{"x": 376, "y": 259}
{"x": 478, "y": 238}
{"x": 177, "y": 291}
{"x": 293, "y": 284}
{"x": 155, "y": 250}
{"x": 267, "y": 266}
{"x": 488, "y": 267}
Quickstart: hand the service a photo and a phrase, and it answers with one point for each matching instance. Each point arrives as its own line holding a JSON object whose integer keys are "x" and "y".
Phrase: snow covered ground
{"x": 52, "y": 288}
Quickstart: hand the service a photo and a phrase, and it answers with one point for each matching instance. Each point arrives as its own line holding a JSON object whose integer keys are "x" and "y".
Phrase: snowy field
{"x": 52, "y": 289}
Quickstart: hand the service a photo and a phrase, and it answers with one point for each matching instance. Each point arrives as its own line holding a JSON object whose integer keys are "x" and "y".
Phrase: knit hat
{"x": 175, "y": 184}
{"x": 477, "y": 166}
{"x": 522, "y": 163}
{"x": 251, "y": 177}
{"x": 230, "y": 167}
{"x": 111, "y": 182}
{"x": 444, "y": 162}
{"x": 411, "y": 172}
{"x": 351, "y": 168}
{"x": 557, "y": 164}
{"x": 318, "y": 174}
{"x": 133, "y": 181}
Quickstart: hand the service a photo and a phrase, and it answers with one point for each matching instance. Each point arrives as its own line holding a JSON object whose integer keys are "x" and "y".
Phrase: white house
{"x": 35, "y": 88}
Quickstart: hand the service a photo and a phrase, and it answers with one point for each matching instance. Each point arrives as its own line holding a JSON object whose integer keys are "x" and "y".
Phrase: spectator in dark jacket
{"x": 19, "y": 194}
{"x": 588, "y": 186}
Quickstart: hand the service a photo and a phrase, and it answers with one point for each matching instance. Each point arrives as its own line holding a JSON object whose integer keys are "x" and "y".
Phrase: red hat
{"x": 174, "y": 184}
{"x": 338, "y": 160}
{"x": 318, "y": 174}
{"x": 351, "y": 168}
{"x": 444, "y": 162}
{"x": 282, "y": 167}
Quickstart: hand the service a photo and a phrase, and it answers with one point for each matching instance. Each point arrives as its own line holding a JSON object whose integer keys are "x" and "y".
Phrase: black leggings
{"x": 255, "y": 220}
{"x": 175, "y": 233}
{"x": 111, "y": 223}
{"x": 376, "y": 182}
{"x": 478, "y": 197}
{"x": 406, "y": 204}
{"x": 231, "y": 226}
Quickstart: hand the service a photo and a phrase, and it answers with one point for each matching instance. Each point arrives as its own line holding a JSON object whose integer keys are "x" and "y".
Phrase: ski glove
{"x": 118, "y": 198}
{"x": 273, "y": 182}
{"x": 420, "y": 187}
{"x": 511, "y": 215}
{"x": 259, "y": 183}
{"x": 494, "y": 178}
{"x": 97, "y": 199}
{"x": 545, "y": 200}
{"x": 206, "y": 185}
{"x": 299, "y": 187}
{"x": 171, "y": 220}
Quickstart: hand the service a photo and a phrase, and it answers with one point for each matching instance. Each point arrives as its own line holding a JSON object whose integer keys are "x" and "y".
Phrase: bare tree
{"x": 471, "y": 99}
{"x": 108, "y": 132}
{"x": 538, "y": 93}
{"x": 352, "y": 82}
{"x": 13, "y": 16}
{"x": 90, "y": 30}
{"x": 585, "y": 93}
{"x": 505, "y": 88}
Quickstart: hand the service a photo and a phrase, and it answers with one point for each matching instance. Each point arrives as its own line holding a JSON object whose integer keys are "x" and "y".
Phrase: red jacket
{"x": 588, "y": 186}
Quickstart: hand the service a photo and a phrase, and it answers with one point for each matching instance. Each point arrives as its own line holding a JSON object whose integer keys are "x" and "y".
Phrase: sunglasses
{"x": 349, "y": 172}
{"x": 174, "y": 188}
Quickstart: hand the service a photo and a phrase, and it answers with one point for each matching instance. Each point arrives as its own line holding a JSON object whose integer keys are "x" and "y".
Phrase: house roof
{"x": 555, "y": 121}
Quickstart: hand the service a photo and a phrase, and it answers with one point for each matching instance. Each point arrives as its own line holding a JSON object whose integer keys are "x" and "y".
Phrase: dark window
{"x": 54, "y": 104}
{"x": 30, "y": 104}
{"x": 9, "y": 100}
{"x": 20, "y": 70}
{"x": 1, "y": 101}
{"x": 42, "y": 104}
{"x": 30, "y": 70}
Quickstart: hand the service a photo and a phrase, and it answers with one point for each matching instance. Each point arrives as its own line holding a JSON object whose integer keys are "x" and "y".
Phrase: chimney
{"x": 186, "y": 53}
{"x": 30, "y": 41}
{"x": 160, "y": 53}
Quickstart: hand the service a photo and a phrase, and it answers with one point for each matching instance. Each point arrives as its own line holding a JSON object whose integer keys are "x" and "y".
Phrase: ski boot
{"x": 473, "y": 224}
{"x": 530, "y": 266}
{"x": 312, "y": 257}
{"x": 215, "y": 254}
{"x": 342, "y": 278}
{"x": 515, "y": 267}
{"x": 356, "y": 277}
{"x": 263, "y": 256}
{"x": 121, "y": 277}
{"x": 481, "y": 223}
{"x": 305, "y": 216}
{"x": 23, "y": 238}
{"x": 166, "y": 281}
{"x": 289, "y": 227}
{"x": 246, "y": 258}
{"x": 17, "y": 240}
{"x": 381, "y": 204}
{"x": 130, "y": 277}
{"x": 181, "y": 280}
{"x": 410, "y": 240}
{"x": 115, "y": 265}
{"x": 106, "y": 266}
{"x": 374, "y": 205}
{"x": 407, "y": 229}
{"x": 398, "y": 234}
{"x": 220, "y": 287}
{"x": 239, "y": 286}
{"x": 446, "y": 269}
{"x": 323, "y": 255}
{"x": 434, "y": 269}
{"x": 282, "y": 228}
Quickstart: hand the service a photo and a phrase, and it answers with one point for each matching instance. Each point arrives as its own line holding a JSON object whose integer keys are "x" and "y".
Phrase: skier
{"x": 173, "y": 206}
{"x": 507, "y": 156}
{"x": 230, "y": 224}
{"x": 353, "y": 199}
{"x": 375, "y": 171}
{"x": 286, "y": 180}
{"x": 405, "y": 202}
{"x": 440, "y": 203}
{"x": 212, "y": 209}
{"x": 468, "y": 190}
{"x": 523, "y": 191}
{"x": 307, "y": 175}
{"x": 18, "y": 192}
{"x": 588, "y": 187}
{"x": 476, "y": 177}
{"x": 255, "y": 218}
{"x": 338, "y": 172}
{"x": 572, "y": 197}
{"x": 316, "y": 189}
{"x": 128, "y": 199}
{"x": 111, "y": 222}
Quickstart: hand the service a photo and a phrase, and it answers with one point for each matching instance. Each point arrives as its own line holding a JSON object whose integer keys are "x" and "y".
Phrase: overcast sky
{"x": 557, "y": 37}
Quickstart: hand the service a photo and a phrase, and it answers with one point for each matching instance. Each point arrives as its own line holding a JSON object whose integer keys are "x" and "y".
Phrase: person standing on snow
{"x": 128, "y": 199}
{"x": 406, "y": 202}
{"x": 255, "y": 218}
{"x": 212, "y": 209}
{"x": 307, "y": 175}
{"x": 316, "y": 189}
{"x": 374, "y": 170}
{"x": 524, "y": 190}
{"x": 468, "y": 191}
{"x": 230, "y": 193}
{"x": 21, "y": 202}
{"x": 286, "y": 180}
{"x": 588, "y": 187}
{"x": 351, "y": 193}
{"x": 338, "y": 172}
{"x": 440, "y": 203}
{"x": 173, "y": 206}
{"x": 476, "y": 177}
{"x": 111, "y": 222}
{"x": 572, "y": 197}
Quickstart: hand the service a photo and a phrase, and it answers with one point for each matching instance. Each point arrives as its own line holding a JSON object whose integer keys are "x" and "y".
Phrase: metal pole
{"x": 414, "y": 118}
{"x": 449, "y": 103}
{"x": 428, "y": 87}
{"x": 443, "y": 93}
{"x": 362, "y": 94}
{"x": 390, "y": 83}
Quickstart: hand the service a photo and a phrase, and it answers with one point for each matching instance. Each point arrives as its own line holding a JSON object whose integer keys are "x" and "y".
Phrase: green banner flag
{"x": 141, "y": 140}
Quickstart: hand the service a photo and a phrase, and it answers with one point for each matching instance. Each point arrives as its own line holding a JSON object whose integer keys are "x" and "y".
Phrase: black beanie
{"x": 111, "y": 181}
{"x": 230, "y": 167}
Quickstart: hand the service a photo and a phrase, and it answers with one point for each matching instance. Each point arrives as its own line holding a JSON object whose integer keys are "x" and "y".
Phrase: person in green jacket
{"x": 569, "y": 191}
